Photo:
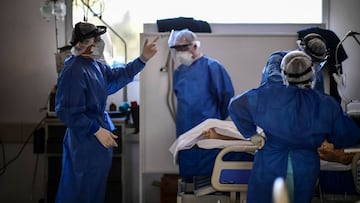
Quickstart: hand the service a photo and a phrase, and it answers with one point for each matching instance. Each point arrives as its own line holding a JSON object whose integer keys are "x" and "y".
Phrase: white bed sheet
{"x": 194, "y": 137}
{"x": 333, "y": 166}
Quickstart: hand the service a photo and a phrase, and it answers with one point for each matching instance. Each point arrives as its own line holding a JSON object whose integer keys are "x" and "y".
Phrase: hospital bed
{"x": 227, "y": 181}
{"x": 339, "y": 181}
{"x": 227, "y": 184}
{"x": 229, "y": 163}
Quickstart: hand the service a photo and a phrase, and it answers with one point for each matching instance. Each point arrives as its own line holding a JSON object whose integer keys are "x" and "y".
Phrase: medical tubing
{"x": 172, "y": 93}
{"x": 34, "y": 177}
{"x": 348, "y": 34}
{"x": 170, "y": 96}
{"x": 108, "y": 26}
{"x": 3, "y": 168}
{"x": 125, "y": 95}
{"x": 2, "y": 171}
{"x": 337, "y": 65}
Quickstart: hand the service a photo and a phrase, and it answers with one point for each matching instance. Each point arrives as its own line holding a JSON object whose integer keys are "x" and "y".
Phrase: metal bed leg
{"x": 320, "y": 191}
{"x": 356, "y": 171}
{"x": 232, "y": 197}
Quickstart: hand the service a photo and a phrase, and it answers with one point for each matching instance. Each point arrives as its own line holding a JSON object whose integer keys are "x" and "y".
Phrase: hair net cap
{"x": 297, "y": 68}
{"x": 182, "y": 38}
{"x": 315, "y": 46}
{"x": 84, "y": 31}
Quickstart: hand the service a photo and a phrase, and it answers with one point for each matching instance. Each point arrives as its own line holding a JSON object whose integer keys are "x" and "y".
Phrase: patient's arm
{"x": 328, "y": 153}
{"x": 212, "y": 134}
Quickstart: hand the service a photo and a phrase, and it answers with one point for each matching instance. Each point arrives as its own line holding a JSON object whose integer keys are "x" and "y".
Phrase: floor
{"x": 337, "y": 199}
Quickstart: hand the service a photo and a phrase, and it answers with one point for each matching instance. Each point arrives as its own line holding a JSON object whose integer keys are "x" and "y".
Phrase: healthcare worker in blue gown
{"x": 83, "y": 87}
{"x": 203, "y": 89}
{"x": 296, "y": 119}
{"x": 314, "y": 45}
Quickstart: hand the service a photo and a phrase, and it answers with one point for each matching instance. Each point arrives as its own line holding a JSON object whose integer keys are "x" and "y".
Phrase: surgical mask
{"x": 184, "y": 57}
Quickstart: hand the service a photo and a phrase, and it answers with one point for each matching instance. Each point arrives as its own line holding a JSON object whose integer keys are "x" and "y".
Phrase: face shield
{"x": 172, "y": 42}
{"x": 83, "y": 31}
{"x": 180, "y": 43}
{"x": 84, "y": 35}
{"x": 97, "y": 51}
{"x": 315, "y": 46}
{"x": 108, "y": 48}
{"x": 181, "y": 40}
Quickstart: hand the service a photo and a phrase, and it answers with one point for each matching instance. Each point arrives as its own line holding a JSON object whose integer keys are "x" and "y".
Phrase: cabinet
{"x": 54, "y": 133}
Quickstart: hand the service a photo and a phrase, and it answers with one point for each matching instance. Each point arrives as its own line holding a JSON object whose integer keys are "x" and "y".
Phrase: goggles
{"x": 182, "y": 47}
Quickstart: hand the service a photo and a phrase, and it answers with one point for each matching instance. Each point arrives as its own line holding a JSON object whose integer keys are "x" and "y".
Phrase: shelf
{"x": 54, "y": 134}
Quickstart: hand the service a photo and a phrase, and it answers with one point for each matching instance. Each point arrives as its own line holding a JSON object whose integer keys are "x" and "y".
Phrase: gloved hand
{"x": 258, "y": 140}
{"x": 106, "y": 138}
{"x": 149, "y": 50}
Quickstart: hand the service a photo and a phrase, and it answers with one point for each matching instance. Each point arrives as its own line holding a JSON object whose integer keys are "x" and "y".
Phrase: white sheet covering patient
{"x": 202, "y": 135}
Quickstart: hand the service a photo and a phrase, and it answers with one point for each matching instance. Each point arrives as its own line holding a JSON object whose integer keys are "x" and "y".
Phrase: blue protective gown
{"x": 272, "y": 71}
{"x": 83, "y": 87}
{"x": 203, "y": 91}
{"x": 296, "y": 121}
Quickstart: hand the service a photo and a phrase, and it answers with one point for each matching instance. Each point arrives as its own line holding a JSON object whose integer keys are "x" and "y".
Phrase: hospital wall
{"x": 344, "y": 16}
{"x": 28, "y": 73}
{"x": 243, "y": 52}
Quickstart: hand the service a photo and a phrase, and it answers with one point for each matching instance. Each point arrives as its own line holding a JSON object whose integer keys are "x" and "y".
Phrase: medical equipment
{"x": 230, "y": 170}
{"x": 340, "y": 79}
{"x": 53, "y": 7}
{"x": 228, "y": 180}
{"x": 336, "y": 180}
{"x": 315, "y": 46}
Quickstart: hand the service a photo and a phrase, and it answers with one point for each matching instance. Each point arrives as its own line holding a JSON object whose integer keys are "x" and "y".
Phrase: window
{"x": 127, "y": 19}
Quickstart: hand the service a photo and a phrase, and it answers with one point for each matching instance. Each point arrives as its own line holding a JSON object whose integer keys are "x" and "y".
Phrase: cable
{"x": 339, "y": 76}
{"x": 337, "y": 65}
{"x": 170, "y": 95}
{"x": 2, "y": 171}
{"x": 6, "y": 164}
{"x": 108, "y": 26}
{"x": 125, "y": 95}
{"x": 350, "y": 33}
{"x": 34, "y": 177}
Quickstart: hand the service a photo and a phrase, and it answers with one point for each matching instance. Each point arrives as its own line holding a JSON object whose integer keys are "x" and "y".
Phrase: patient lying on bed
{"x": 328, "y": 153}
{"x": 195, "y": 151}
{"x": 212, "y": 134}
{"x": 200, "y": 145}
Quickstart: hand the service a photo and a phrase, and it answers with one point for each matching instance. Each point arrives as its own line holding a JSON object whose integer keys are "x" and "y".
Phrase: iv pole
{"x": 125, "y": 98}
